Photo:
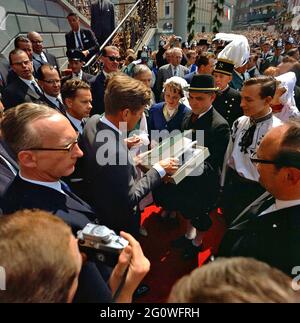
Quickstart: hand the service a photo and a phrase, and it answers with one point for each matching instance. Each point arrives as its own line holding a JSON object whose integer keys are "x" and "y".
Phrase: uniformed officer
{"x": 228, "y": 100}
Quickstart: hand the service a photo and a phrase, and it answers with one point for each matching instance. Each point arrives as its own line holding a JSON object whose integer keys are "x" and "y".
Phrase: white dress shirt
{"x": 240, "y": 161}
{"x": 157, "y": 166}
{"x": 40, "y": 57}
{"x": 76, "y": 123}
{"x": 54, "y": 185}
{"x": 279, "y": 205}
{"x": 54, "y": 99}
{"x": 79, "y": 76}
{"x": 28, "y": 83}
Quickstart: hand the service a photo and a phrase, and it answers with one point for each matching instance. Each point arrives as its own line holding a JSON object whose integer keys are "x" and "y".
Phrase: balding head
{"x": 279, "y": 165}
{"x": 37, "y": 42}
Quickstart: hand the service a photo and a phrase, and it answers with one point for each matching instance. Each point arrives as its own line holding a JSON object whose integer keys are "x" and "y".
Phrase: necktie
{"x": 36, "y": 89}
{"x": 78, "y": 40}
{"x": 194, "y": 118}
{"x": 60, "y": 107}
{"x": 175, "y": 72}
{"x": 247, "y": 137}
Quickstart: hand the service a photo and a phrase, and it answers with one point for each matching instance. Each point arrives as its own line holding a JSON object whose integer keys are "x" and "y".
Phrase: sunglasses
{"x": 114, "y": 58}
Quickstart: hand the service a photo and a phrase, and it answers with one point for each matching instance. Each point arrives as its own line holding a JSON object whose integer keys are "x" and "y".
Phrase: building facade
{"x": 256, "y": 14}
{"x": 204, "y": 15}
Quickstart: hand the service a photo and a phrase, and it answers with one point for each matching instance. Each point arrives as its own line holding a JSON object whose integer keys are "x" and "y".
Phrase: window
{"x": 167, "y": 8}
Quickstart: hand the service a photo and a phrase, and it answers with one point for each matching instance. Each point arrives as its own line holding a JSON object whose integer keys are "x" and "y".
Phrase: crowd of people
{"x": 71, "y": 153}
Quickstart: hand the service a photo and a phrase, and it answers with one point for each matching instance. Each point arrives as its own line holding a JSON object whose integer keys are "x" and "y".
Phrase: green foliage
{"x": 192, "y": 20}
{"x": 219, "y": 9}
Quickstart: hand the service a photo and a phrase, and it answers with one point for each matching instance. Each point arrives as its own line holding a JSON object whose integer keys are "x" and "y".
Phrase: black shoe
{"x": 191, "y": 252}
{"x": 141, "y": 290}
{"x": 181, "y": 242}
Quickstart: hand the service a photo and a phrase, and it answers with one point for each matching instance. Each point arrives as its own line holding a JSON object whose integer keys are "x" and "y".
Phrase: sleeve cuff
{"x": 162, "y": 173}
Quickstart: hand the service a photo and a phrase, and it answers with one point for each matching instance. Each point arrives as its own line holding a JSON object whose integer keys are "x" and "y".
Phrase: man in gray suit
{"x": 102, "y": 19}
{"x": 169, "y": 70}
{"x": 110, "y": 174}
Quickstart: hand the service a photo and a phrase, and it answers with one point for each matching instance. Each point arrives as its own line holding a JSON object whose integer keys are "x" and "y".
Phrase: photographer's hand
{"x": 129, "y": 271}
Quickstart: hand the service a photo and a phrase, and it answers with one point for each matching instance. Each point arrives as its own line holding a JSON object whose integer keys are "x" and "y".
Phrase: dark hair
{"x": 288, "y": 154}
{"x": 70, "y": 88}
{"x": 202, "y": 60}
{"x": 21, "y": 39}
{"x": 72, "y": 14}
{"x": 40, "y": 71}
{"x": 15, "y": 51}
{"x": 267, "y": 85}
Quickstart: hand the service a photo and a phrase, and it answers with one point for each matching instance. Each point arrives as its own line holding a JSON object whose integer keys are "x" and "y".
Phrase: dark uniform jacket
{"x": 273, "y": 238}
{"x": 228, "y": 104}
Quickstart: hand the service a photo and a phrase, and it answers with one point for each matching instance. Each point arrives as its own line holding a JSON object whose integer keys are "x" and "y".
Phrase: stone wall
{"x": 48, "y": 17}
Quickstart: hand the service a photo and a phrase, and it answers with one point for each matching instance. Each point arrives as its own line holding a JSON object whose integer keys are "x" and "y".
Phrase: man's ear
{"x": 27, "y": 159}
{"x": 293, "y": 175}
{"x": 268, "y": 100}
{"x": 68, "y": 103}
{"x": 125, "y": 114}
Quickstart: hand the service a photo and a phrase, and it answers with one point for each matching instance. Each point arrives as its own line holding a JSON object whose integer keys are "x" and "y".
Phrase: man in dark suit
{"x": 169, "y": 70}
{"x": 111, "y": 177}
{"x": 269, "y": 230}
{"x": 39, "y": 56}
{"x": 49, "y": 81}
{"x": 44, "y": 156}
{"x": 24, "y": 88}
{"x": 111, "y": 59}
{"x": 82, "y": 39}
{"x": 196, "y": 195}
{"x": 77, "y": 99}
{"x": 102, "y": 19}
{"x": 76, "y": 61}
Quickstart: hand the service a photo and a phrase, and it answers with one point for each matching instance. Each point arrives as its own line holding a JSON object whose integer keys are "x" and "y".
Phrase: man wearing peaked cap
{"x": 228, "y": 100}
{"x": 76, "y": 62}
{"x": 196, "y": 195}
{"x": 277, "y": 57}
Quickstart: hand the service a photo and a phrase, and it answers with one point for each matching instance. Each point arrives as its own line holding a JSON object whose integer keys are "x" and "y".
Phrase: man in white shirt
{"x": 247, "y": 132}
{"x": 77, "y": 98}
{"x": 269, "y": 230}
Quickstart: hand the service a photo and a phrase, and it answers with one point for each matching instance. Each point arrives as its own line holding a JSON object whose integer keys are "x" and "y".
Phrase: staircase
{"x": 48, "y": 17}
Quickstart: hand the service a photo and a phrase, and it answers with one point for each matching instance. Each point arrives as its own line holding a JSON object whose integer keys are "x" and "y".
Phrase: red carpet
{"x": 167, "y": 266}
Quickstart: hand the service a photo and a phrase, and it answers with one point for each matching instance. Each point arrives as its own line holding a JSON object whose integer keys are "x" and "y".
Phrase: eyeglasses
{"x": 68, "y": 148}
{"x": 37, "y": 41}
{"x": 114, "y": 58}
{"x": 256, "y": 160}
{"x": 52, "y": 81}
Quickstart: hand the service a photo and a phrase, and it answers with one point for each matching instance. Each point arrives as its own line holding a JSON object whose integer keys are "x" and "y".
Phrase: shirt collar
{"x": 79, "y": 75}
{"x": 38, "y": 56}
{"x": 54, "y": 185}
{"x": 76, "y": 122}
{"x": 202, "y": 114}
{"x": 28, "y": 82}
{"x": 285, "y": 204}
{"x": 111, "y": 125}
{"x": 52, "y": 98}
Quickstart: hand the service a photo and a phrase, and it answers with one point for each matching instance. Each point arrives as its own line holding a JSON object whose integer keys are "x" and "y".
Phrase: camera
{"x": 101, "y": 243}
